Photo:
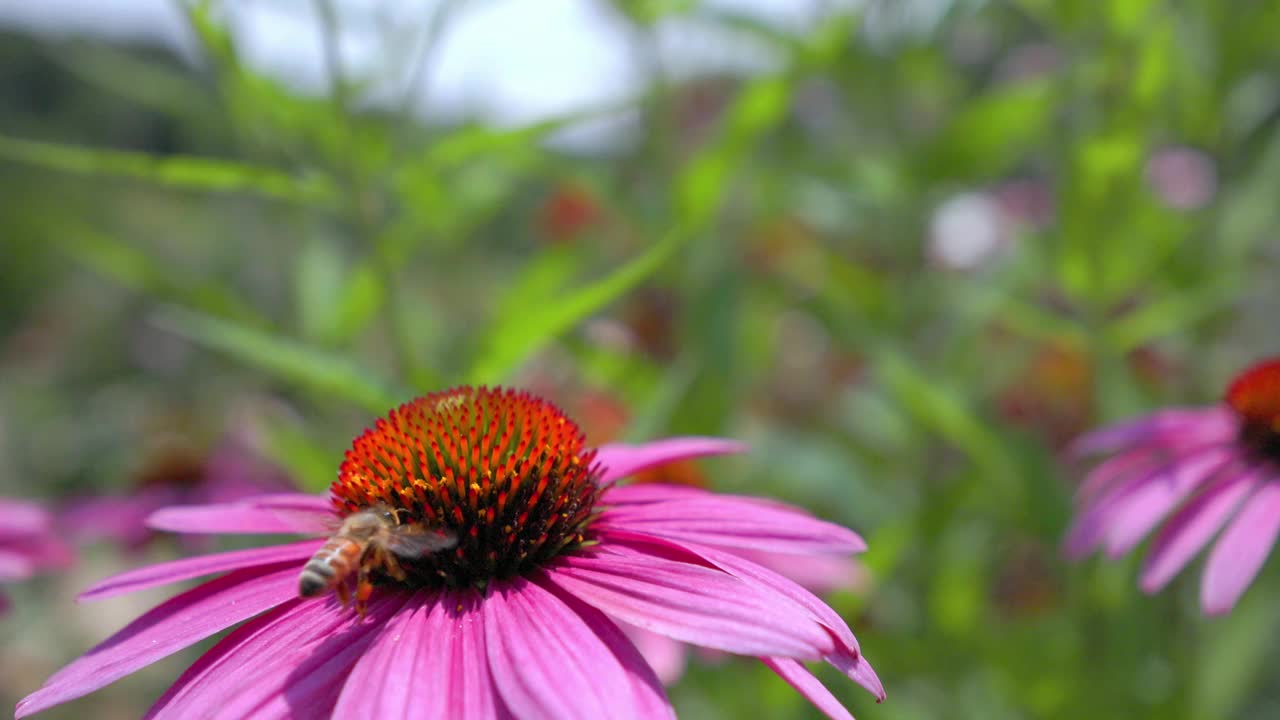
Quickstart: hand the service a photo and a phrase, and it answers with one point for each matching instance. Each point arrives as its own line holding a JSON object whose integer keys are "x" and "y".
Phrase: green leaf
{"x": 334, "y": 302}
{"x": 697, "y": 194}
{"x": 287, "y": 359}
{"x": 176, "y": 171}
{"x": 138, "y": 271}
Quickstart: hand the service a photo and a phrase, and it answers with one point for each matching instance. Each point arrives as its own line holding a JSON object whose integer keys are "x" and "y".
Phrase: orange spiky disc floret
{"x": 1255, "y": 396}
{"x": 503, "y": 470}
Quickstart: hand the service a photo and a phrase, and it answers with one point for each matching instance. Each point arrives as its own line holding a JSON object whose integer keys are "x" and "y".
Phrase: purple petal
{"x": 169, "y": 627}
{"x": 845, "y": 656}
{"x": 188, "y": 568}
{"x": 460, "y": 685}
{"x": 678, "y": 596}
{"x": 21, "y": 519}
{"x": 732, "y": 521}
{"x": 546, "y": 662}
{"x": 15, "y": 565}
{"x": 668, "y": 658}
{"x": 1114, "y": 470}
{"x": 122, "y": 519}
{"x": 286, "y": 513}
{"x": 620, "y": 460}
{"x": 1093, "y": 525}
{"x": 809, "y": 686}
{"x": 291, "y": 662}
{"x": 1239, "y": 553}
{"x": 382, "y": 683}
{"x": 1175, "y": 426}
{"x": 651, "y": 699}
{"x": 1188, "y": 531}
{"x": 642, "y": 493}
{"x": 1138, "y": 512}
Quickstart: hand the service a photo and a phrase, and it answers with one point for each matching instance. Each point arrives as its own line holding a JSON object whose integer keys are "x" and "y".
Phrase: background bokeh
{"x": 905, "y": 248}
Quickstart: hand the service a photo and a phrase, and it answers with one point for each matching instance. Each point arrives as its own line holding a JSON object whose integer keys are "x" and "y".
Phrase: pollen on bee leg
{"x": 364, "y": 589}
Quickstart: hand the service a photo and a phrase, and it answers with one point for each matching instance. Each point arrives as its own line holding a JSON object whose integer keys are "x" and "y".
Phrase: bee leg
{"x": 363, "y": 590}
{"x": 344, "y": 594}
{"x": 392, "y": 567}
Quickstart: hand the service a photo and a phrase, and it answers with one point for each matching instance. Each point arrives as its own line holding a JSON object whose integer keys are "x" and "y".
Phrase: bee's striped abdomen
{"x": 329, "y": 566}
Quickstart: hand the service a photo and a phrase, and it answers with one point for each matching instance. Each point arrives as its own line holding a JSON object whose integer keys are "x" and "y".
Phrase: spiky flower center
{"x": 1255, "y": 396}
{"x": 503, "y": 470}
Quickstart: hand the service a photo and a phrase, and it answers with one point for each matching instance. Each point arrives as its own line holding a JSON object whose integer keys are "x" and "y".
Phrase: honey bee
{"x": 369, "y": 540}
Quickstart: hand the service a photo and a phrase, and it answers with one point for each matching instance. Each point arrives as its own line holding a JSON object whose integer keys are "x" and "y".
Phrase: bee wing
{"x": 412, "y": 541}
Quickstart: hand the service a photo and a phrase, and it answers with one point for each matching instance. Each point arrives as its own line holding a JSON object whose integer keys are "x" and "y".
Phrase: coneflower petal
{"x": 1144, "y": 508}
{"x": 732, "y": 521}
{"x": 387, "y": 681}
{"x": 620, "y": 460}
{"x": 194, "y": 567}
{"x": 808, "y": 686}
{"x": 686, "y": 600}
{"x": 284, "y": 513}
{"x": 173, "y": 625}
{"x": 1240, "y": 552}
{"x": 289, "y": 663}
{"x": 650, "y": 699}
{"x": 564, "y": 669}
{"x": 1192, "y": 527}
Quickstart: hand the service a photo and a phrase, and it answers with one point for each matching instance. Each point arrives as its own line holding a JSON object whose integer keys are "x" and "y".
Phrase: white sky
{"x": 509, "y": 61}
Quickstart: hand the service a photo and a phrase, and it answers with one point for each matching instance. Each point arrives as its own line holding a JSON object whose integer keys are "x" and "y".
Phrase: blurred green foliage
{"x": 766, "y": 260}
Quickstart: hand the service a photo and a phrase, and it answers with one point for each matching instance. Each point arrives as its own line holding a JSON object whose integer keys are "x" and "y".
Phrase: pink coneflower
{"x": 177, "y": 475}
{"x": 28, "y": 544}
{"x": 517, "y": 619}
{"x": 1193, "y": 472}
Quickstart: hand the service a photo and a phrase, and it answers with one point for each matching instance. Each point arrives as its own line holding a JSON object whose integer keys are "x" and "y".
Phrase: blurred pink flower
{"x": 28, "y": 544}
{"x": 519, "y": 619}
{"x": 1182, "y": 177}
{"x": 231, "y": 471}
{"x": 1192, "y": 472}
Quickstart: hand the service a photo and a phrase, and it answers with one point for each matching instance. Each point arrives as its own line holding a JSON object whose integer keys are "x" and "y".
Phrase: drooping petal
{"x": 682, "y": 598}
{"x": 1092, "y": 526}
{"x": 651, "y": 700}
{"x": 169, "y": 627}
{"x": 546, "y": 662}
{"x": 1108, "y": 473}
{"x": 809, "y": 686}
{"x": 620, "y": 460}
{"x": 387, "y": 679}
{"x": 1192, "y": 527}
{"x": 1239, "y": 553}
{"x": 1141, "y": 510}
{"x": 1189, "y": 426}
{"x": 731, "y": 521}
{"x": 289, "y": 663}
{"x": 188, "y": 568}
{"x": 284, "y": 513}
